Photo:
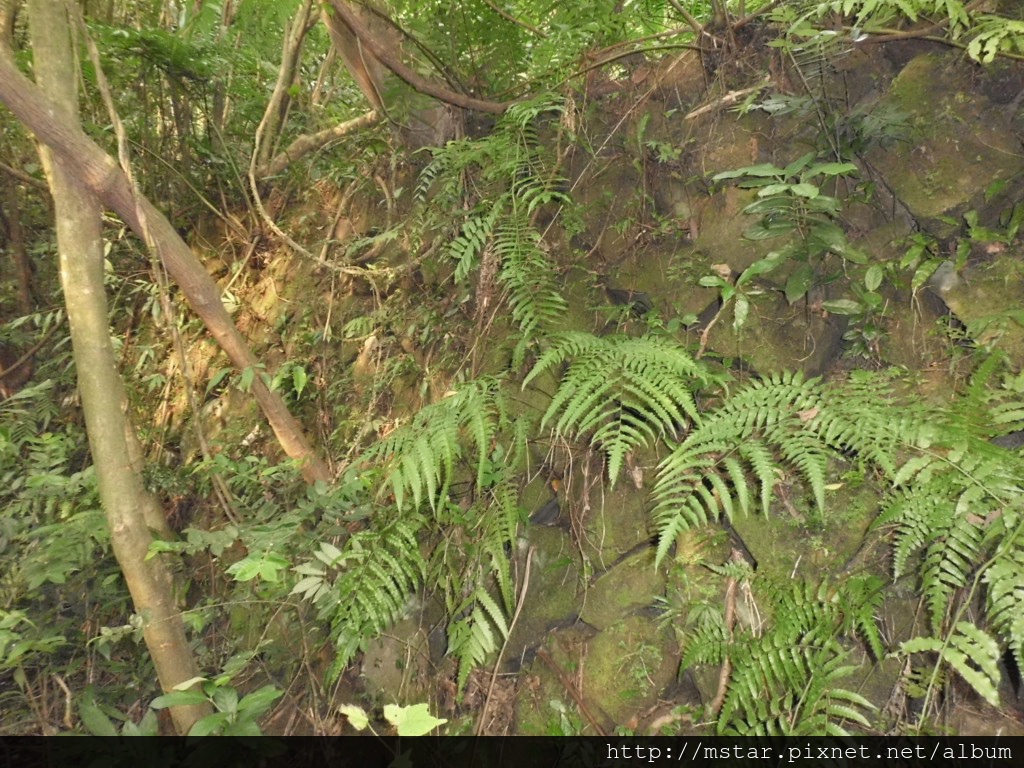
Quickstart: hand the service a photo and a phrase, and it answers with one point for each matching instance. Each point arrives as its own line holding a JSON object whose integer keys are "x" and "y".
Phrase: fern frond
{"x": 1005, "y": 579}
{"x": 471, "y": 640}
{"x": 971, "y": 652}
{"x": 787, "y": 681}
{"x": 783, "y": 423}
{"x": 466, "y": 248}
{"x": 624, "y": 392}
{"x": 473, "y": 560}
{"x": 950, "y": 557}
{"x": 420, "y": 457}
{"x": 955, "y": 498}
{"x": 529, "y": 278}
{"x": 377, "y": 572}
{"x": 511, "y": 180}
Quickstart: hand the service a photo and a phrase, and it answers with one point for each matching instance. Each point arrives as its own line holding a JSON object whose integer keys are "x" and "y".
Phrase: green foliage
{"x": 971, "y": 652}
{"x": 993, "y": 35}
{"x": 363, "y": 588}
{"x": 97, "y": 721}
{"x": 20, "y": 638}
{"x": 790, "y": 203}
{"x": 780, "y": 424}
{"x": 472, "y": 560}
{"x": 957, "y": 504}
{"x": 786, "y": 673}
{"x": 869, "y": 12}
{"x": 420, "y": 457}
{"x": 497, "y": 233}
{"x": 625, "y": 392}
{"x": 234, "y": 715}
{"x": 414, "y": 720}
{"x": 52, "y": 526}
{"x": 989, "y": 34}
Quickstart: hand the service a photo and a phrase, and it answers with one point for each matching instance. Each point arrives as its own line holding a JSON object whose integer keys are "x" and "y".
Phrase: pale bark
{"x": 291, "y": 51}
{"x": 370, "y": 52}
{"x": 310, "y": 142}
{"x": 98, "y": 172}
{"x": 125, "y": 501}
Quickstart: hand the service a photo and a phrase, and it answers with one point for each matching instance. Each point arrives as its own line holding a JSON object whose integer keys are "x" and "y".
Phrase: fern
{"x": 1005, "y": 579}
{"x": 956, "y": 502}
{"x": 971, "y": 652}
{"x": 473, "y": 561}
{"x": 624, "y": 392}
{"x": 420, "y": 457}
{"x": 786, "y": 675}
{"x": 361, "y": 590}
{"x": 873, "y": 12}
{"x": 511, "y": 180}
{"x": 996, "y": 34}
{"x": 528, "y": 275}
{"x": 779, "y": 424}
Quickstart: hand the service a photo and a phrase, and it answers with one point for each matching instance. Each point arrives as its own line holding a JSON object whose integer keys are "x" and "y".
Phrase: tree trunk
{"x": 98, "y": 172}
{"x": 420, "y": 109}
{"x": 16, "y": 245}
{"x": 277, "y": 108}
{"x": 80, "y": 249}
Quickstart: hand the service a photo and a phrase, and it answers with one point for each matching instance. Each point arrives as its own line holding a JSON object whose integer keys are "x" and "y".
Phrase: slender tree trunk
{"x": 16, "y": 245}
{"x": 100, "y": 174}
{"x": 291, "y": 53}
{"x": 80, "y": 248}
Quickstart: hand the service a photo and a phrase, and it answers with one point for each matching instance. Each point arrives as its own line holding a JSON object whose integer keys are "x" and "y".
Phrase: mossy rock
{"x": 988, "y": 301}
{"x": 551, "y": 599}
{"x": 629, "y": 585}
{"x": 616, "y": 523}
{"x": 957, "y": 152}
{"x": 628, "y": 665}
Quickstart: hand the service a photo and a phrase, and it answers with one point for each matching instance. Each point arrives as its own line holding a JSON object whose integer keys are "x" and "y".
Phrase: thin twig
{"x": 514, "y": 20}
{"x": 497, "y": 664}
{"x": 571, "y": 689}
{"x": 730, "y": 98}
{"x": 24, "y": 177}
{"x": 725, "y": 674}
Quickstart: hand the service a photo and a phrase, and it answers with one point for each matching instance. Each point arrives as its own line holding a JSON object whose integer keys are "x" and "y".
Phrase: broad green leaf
{"x": 798, "y": 165}
{"x": 209, "y": 724}
{"x": 178, "y": 699}
{"x": 774, "y": 189}
{"x": 740, "y": 311}
{"x": 799, "y": 283}
{"x": 765, "y": 169}
{"x": 923, "y": 273}
{"x": 299, "y": 379}
{"x": 218, "y": 376}
{"x": 414, "y": 720}
{"x": 260, "y": 700}
{"x": 831, "y": 169}
{"x": 761, "y": 267}
{"x": 712, "y": 281}
{"x": 873, "y": 277}
{"x": 805, "y": 189}
{"x": 356, "y": 716}
{"x": 247, "y": 378}
{"x": 842, "y": 307}
{"x": 331, "y": 554}
{"x": 93, "y": 718}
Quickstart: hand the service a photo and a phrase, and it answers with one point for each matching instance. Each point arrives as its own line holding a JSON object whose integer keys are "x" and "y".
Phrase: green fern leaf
{"x": 1005, "y": 579}
{"x": 971, "y": 652}
{"x": 625, "y": 393}
{"x": 377, "y": 572}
